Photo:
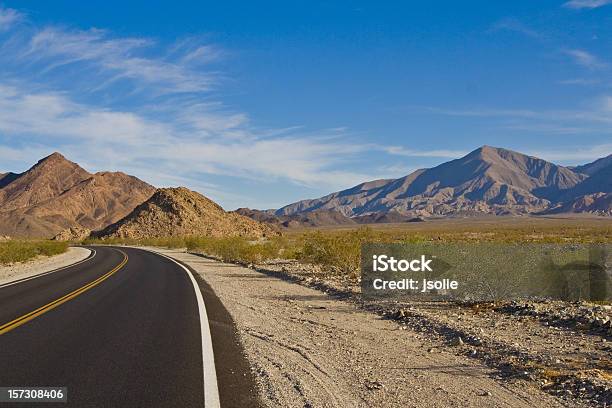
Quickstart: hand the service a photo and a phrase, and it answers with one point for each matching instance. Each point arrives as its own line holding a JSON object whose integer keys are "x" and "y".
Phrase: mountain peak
{"x": 57, "y": 155}
{"x": 483, "y": 152}
{"x": 54, "y": 158}
{"x": 486, "y": 150}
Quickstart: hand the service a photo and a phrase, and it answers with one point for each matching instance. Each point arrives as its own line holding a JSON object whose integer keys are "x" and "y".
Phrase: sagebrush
{"x": 20, "y": 251}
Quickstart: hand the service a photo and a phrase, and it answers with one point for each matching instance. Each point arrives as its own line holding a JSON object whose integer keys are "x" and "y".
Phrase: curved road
{"x": 121, "y": 329}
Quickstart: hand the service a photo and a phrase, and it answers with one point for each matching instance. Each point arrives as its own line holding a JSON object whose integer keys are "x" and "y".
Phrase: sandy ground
{"x": 41, "y": 265}
{"x": 307, "y": 349}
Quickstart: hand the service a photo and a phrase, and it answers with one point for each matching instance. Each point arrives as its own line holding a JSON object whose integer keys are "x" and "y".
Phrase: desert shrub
{"x": 170, "y": 242}
{"x": 20, "y": 251}
{"x": 232, "y": 249}
{"x": 341, "y": 251}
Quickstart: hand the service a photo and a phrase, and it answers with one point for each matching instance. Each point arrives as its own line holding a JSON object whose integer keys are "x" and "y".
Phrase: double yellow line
{"x": 7, "y": 327}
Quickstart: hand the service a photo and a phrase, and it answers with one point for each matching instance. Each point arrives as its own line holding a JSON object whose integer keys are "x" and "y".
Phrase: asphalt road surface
{"x": 121, "y": 329}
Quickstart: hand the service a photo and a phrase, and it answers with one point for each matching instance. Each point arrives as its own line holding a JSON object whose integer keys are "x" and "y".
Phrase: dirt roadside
{"x": 307, "y": 349}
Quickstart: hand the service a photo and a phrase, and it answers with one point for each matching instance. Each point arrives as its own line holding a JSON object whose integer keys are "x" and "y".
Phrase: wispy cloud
{"x": 589, "y": 4}
{"x": 117, "y": 59}
{"x": 8, "y": 18}
{"x": 594, "y": 118}
{"x": 596, "y": 114}
{"x": 395, "y": 171}
{"x": 203, "y": 54}
{"x": 579, "y": 81}
{"x": 442, "y": 153}
{"x": 483, "y": 112}
{"x": 585, "y": 58}
{"x": 176, "y": 147}
{"x": 574, "y": 154}
{"x": 514, "y": 25}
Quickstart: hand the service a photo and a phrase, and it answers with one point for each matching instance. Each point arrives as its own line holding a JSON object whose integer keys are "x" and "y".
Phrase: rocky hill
{"x": 57, "y": 194}
{"x": 173, "y": 212}
{"x": 488, "y": 180}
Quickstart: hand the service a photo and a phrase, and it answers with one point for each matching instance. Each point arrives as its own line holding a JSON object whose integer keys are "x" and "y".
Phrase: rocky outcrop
{"x": 76, "y": 233}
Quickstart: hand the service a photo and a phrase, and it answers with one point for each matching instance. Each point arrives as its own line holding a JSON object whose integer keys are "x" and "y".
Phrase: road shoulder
{"x": 308, "y": 349}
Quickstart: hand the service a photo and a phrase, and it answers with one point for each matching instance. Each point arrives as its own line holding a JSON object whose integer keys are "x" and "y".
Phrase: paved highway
{"x": 120, "y": 329}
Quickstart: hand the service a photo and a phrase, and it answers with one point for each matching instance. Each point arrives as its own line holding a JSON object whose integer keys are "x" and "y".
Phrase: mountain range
{"x": 58, "y": 196}
{"x": 488, "y": 180}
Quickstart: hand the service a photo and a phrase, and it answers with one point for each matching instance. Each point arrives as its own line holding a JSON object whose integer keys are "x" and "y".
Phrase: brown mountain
{"x": 173, "y": 212}
{"x": 6, "y": 178}
{"x": 488, "y": 180}
{"x": 57, "y": 194}
{"x": 600, "y": 181}
{"x": 317, "y": 219}
{"x": 593, "y": 195}
{"x": 266, "y": 216}
{"x": 594, "y": 167}
{"x": 597, "y": 203}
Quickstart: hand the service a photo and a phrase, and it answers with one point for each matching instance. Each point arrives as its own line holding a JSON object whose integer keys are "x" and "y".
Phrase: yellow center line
{"x": 7, "y": 327}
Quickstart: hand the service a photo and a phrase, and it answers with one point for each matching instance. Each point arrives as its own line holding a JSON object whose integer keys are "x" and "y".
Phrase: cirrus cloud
{"x": 588, "y": 4}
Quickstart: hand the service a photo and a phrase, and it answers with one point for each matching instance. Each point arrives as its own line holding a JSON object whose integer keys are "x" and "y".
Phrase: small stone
{"x": 457, "y": 341}
{"x": 374, "y": 385}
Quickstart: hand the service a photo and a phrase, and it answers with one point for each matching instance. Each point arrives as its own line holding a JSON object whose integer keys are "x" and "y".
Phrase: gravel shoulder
{"x": 16, "y": 271}
{"x": 309, "y": 349}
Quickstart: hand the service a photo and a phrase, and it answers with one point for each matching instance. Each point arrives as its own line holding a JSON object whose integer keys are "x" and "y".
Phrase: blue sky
{"x": 261, "y": 104}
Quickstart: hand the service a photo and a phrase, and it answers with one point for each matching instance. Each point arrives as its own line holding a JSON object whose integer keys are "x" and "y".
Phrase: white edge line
{"x": 211, "y": 389}
{"x": 21, "y": 280}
